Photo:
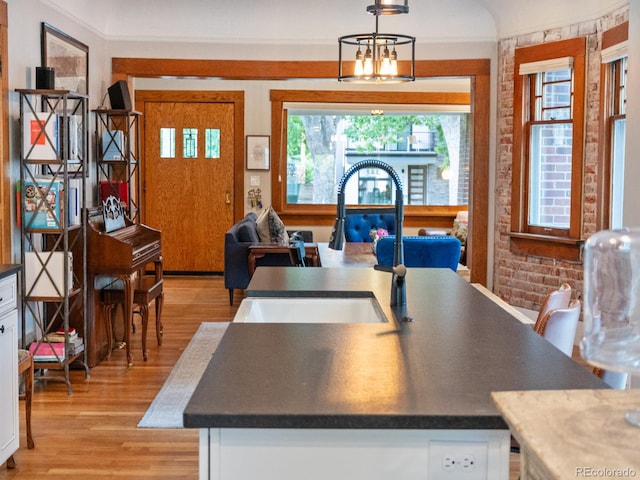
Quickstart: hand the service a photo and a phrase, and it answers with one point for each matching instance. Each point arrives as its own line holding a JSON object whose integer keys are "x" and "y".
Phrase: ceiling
{"x": 321, "y": 21}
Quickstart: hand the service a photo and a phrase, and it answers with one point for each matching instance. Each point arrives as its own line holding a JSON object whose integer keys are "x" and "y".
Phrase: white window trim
{"x": 549, "y": 65}
{"x": 615, "y": 52}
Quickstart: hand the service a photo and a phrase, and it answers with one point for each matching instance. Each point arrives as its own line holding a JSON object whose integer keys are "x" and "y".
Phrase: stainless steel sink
{"x": 310, "y": 310}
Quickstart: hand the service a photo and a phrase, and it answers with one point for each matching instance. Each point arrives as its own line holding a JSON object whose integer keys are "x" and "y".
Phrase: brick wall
{"x": 523, "y": 280}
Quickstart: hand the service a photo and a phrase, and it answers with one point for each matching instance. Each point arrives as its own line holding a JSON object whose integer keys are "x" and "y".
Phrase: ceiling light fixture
{"x": 379, "y": 62}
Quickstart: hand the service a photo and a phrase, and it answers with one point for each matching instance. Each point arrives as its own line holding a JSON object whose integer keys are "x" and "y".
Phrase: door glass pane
{"x": 212, "y": 143}
{"x": 190, "y": 142}
{"x": 550, "y": 175}
{"x": 167, "y": 143}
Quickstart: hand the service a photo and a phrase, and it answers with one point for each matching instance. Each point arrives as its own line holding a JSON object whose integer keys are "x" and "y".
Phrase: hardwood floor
{"x": 93, "y": 433}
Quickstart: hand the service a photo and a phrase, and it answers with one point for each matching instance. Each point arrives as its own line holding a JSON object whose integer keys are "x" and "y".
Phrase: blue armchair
{"x": 432, "y": 251}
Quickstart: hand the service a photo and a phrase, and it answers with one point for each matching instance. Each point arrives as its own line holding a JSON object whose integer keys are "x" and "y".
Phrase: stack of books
{"x": 47, "y": 352}
{"x": 74, "y": 342}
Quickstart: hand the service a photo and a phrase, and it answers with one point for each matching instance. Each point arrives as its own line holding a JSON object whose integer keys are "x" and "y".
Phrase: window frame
{"x": 279, "y": 127}
{"x": 527, "y": 239}
{"x": 611, "y": 38}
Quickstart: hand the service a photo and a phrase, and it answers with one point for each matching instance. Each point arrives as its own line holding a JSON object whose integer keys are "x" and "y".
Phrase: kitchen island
{"x": 371, "y": 400}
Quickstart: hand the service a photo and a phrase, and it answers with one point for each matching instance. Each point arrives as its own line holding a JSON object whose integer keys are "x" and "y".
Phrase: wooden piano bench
{"x": 146, "y": 289}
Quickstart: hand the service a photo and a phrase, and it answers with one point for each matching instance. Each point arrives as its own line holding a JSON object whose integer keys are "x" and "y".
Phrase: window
{"x": 548, "y": 149}
{"x": 324, "y": 141}
{"x": 614, "y": 102}
{"x": 167, "y": 143}
{"x": 190, "y": 142}
{"x": 212, "y": 143}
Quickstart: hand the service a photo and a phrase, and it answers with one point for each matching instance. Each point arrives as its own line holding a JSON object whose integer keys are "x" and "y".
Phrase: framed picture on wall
{"x": 257, "y": 151}
{"x": 69, "y": 58}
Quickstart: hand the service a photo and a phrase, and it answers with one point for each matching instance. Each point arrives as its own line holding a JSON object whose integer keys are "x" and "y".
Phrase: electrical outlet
{"x": 451, "y": 460}
{"x": 448, "y": 463}
{"x": 467, "y": 462}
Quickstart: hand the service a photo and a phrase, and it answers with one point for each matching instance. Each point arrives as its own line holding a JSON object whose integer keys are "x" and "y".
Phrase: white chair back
{"x": 559, "y": 298}
{"x": 617, "y": 380}
{"x": 559, "y": 326}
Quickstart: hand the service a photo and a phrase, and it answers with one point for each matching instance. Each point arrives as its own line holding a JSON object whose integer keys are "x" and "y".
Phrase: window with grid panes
{"x": 548, "y": 145}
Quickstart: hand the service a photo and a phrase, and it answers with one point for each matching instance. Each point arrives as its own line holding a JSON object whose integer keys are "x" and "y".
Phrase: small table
{"x": 259, "y": 250}
{"x": 354, "y": 254}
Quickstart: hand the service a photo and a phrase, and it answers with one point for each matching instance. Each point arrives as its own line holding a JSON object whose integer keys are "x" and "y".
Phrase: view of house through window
{"x": 429, "y": 151}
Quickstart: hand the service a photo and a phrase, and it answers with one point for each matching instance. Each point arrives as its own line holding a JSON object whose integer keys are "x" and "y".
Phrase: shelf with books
{"x": 117, "y": 158}
{"x": 51, "y": 195}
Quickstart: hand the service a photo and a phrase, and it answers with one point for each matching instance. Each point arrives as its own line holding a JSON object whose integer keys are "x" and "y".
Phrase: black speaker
{"x": 119, "y": 96}
{"x": 45, "y": 78}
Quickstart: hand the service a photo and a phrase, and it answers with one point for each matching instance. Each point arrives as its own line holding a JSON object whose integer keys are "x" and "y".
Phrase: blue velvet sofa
{"x": 434, "y": 251}
{"x": 357, "y": 225}
{"x": 237, "y": 240}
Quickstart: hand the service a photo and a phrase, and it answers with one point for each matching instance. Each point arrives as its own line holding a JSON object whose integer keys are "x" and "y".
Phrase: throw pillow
{"x": 278, "y": 230}
{"x": 271, "y": 229}
{"x": 460, "y": 230}
{"x": 264, "y": 232}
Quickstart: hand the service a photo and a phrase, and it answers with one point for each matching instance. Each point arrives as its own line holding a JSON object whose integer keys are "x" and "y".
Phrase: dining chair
{"x": 558, "y": 298}
{"x": 617, "y": 380}
{"x": 559, "y": 326}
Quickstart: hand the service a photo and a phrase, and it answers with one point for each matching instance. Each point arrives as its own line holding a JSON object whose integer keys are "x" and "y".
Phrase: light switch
{"x": 255, "y": 181}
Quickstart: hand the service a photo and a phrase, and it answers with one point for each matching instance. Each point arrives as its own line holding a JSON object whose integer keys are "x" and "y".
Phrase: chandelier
{"x": 376, "y": 54}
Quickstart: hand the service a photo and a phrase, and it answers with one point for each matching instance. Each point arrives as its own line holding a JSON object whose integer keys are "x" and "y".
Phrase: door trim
{"x": 196, "y": 96}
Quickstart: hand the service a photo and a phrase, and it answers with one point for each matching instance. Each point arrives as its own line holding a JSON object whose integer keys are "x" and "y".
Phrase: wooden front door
{"x": 189, "y": 180}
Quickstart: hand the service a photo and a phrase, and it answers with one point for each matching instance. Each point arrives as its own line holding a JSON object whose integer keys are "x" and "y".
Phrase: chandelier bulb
{"x": 359, "y": 65}
{"x": 368, "y": 62}
{"x": 393, "y": 63}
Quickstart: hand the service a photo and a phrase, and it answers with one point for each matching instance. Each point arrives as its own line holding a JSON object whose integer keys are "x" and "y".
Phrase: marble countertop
{"x": 435, "y": 372}
{"x": 574, "y": 433}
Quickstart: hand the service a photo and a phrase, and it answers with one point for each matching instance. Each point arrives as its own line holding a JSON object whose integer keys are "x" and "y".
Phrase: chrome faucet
{"x": 336, "y": 241}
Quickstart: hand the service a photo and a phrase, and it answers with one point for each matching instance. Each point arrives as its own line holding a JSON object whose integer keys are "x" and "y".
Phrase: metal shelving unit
{"x": 54, "y": 162}
{"x": 118, "y": 158}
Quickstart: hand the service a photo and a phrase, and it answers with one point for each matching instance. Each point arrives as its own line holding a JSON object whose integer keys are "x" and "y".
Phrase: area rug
{"x": 166, "y": 409}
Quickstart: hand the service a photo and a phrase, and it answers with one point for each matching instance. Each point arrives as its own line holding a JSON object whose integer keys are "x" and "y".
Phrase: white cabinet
{"x": 9, "y": 425}
{"x": 374, "y": 454}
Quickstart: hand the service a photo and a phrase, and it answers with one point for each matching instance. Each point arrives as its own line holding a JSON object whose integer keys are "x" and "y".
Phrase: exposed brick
{"x": 524, "y": 280}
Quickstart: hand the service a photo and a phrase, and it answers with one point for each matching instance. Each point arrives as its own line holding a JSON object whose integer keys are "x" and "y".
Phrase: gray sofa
{"x": 237, "y": 241}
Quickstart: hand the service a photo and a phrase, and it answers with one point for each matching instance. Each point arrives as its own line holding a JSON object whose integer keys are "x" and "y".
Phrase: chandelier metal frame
{"x": 376, "y": 58}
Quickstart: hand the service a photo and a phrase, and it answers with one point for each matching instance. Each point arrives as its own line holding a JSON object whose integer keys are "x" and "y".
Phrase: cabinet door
{"x": 9, "y": 434}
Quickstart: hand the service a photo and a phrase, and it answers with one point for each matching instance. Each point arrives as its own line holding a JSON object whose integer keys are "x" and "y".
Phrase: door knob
{"x": 227, "y": 197}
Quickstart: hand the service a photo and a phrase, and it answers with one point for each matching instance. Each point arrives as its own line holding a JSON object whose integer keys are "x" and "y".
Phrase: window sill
{"x": 560, "y": 248}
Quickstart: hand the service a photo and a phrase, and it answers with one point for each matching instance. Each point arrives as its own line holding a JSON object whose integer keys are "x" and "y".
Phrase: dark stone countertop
{"x": 436, "y": 372}
{"x": 9, "y": 269}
